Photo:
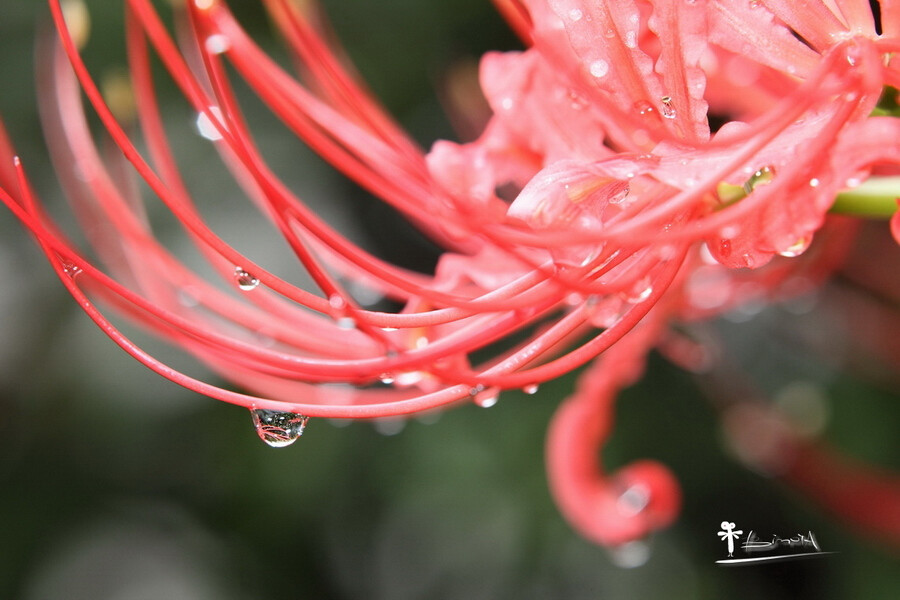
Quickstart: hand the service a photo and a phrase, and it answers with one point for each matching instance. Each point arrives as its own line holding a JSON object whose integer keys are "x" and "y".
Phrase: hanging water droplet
{"x": 217, "y": 44}
{"x": 630, "y": 555}
{"x": 639, "y": 292}
{"x": 245, "y": 280}
{"x": 797, "y": 248}
{"x": 487, "y": 398}
{"x": 531, "y": 389}
{"x": 205, "y": 126}
{"x": 389, "y": 425}
{"x": 188, "y": 297}
{"x": 386, "y": 378}
{"x": 667, "y": 111}
{"x": 346, "y": 323}
{"x": 409, "y": 378}
{"x": 278, "y": 429}
{"x": 763, "y": 176}
{"x": 599, "y": 68}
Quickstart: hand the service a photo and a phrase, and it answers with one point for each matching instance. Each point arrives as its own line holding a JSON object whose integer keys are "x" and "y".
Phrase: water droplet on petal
{"x": 531, "y": 389}
{"x": 667, "y": 111}
{"x": 278, "y": 429}
{"x": 245, "y": 280}
{"x": 763, "y": 176}
{"x": 797, "y": 248}
{"x": 644, "y": 108}
{"x": 619, "y": 196}
{"x": 814, "y": 182}
{"x": 575, "y": 14}
{"x": 725, "y": 248}
{"x": 599, "y": 68}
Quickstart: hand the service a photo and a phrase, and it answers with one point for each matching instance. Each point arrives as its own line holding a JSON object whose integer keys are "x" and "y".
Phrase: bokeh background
{"x": 118, "y": 485}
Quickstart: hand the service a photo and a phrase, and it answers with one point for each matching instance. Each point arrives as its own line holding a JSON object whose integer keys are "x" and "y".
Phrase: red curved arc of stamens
{"x": 587, "y": 495}
{"x": 345, "y": 91}
{"x": 190, "y": 221}
{"x": 27, "y": 213}
{"x": 377, "y": 268}
{"x": 323, "y": 280}
{"x": 506, "y": 374}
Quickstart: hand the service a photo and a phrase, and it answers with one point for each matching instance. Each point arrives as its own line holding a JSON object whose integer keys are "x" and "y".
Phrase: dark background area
{"x": 116, "y": 484}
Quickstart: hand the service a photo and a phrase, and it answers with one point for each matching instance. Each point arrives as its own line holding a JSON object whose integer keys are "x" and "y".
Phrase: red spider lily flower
{"x": 630, "y": 209}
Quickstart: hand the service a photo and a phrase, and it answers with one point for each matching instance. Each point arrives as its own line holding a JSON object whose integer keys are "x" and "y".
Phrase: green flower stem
{"x": 876, "y": 198}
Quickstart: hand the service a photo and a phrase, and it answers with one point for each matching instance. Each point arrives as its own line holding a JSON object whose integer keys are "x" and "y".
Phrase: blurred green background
{"x": 116, "y": 484}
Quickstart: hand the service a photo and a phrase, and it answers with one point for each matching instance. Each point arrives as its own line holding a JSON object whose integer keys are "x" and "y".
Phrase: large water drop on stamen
{"x": 278, "y": 429}
{"x": 245, "y": 280}
{"x": 206, "y": 127}
{"x": 70, "y": 269}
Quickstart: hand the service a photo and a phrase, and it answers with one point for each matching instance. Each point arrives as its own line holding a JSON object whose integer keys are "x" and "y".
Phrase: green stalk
{"x": 876, "y": 198}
